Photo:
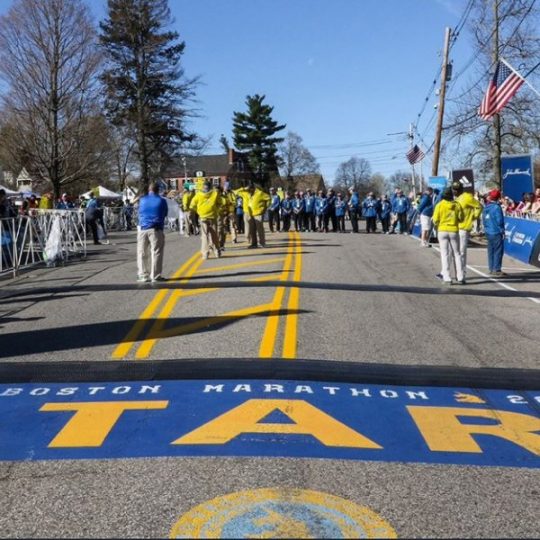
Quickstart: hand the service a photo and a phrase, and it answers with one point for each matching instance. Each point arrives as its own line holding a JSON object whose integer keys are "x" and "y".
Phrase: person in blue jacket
{"x": 385, "y": 211}
{"x": 354, "y": 208}
{"x": 321, "y": 209}
{"x": 309, "y": 212}
{"x": 425, "y": 209}
{"x": 286, "y": 211}
{"x": 400, "y": 207}
{"x": 340, "y": 205}
{"x": 298, "y": 211}
{"x": 369, "y": 209}
{"x": 493, "y": 219}
{"x": 273, "y": 210}
{"x": 331, "y": 197}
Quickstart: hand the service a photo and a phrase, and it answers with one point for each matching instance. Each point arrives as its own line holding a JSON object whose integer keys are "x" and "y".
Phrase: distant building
{"x": 24, "y": 181}
{"x": 303, "y": 182}
{"x": 231, "y": 167}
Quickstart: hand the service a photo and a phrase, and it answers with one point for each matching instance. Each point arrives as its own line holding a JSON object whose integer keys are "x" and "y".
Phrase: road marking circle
{"x": 281, "y": 513}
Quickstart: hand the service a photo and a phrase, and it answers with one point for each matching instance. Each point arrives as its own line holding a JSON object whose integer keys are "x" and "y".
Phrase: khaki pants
{"x": 247, "y": 229}
{"x": 221, "y": 231}
{"x": 150, "y": 248}
{"x": 187, "y": 223}
{"x": 232, "y": 228}
{"x": 209, "y": 237}
{"x": 256, "y": 224}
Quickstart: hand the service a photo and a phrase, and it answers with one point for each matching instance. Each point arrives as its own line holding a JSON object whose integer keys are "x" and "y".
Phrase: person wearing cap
{"x": 341, "y": 209}
{"x": 230, "y": 198}
{"x": 446, "y": 217}
{"x": 493, "y": 219}
{"x": 207, "y": 205}
{"x": 369, "y": 209}
{"x": 273, "y": 210}
{"x": 321, "y": 209}
{"x": 331, "y": 212}
{"x": 286, "y": 211}
{"x": 257, "y": 203}
{"x": 298, "y": 211}
{"x": 354, "y": 208}
{"x": 153, "y": 210}
{"x": 400, "y": 207}
{"x": 187, "y": 197}
{"x": 425, "y": 209}
{"x": 472, "y": 210}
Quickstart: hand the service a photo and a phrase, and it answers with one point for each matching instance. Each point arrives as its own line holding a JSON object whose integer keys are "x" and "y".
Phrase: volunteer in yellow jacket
{"x": 207, "y": 204}
{"x": 242, "y": 192}
{"x": 446, "y": 217}
{"x": 187, "y": 197}
{"x": 472, "y": 210}
{"x": 258, "y": 202}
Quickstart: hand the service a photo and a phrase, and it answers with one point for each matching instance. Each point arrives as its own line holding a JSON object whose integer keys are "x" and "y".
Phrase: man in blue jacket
{"x": 273, "y": 210}
{"x": 354, "y": 209}
{"x": 286, "y": 211}
{"x": 385, "y": 209}
{"x": 400, "y": 207}
{"x": 309, "y": 211}
{"x": 321, "y": 209}
{"x": 493, "y": 219}
{"x": 150, "y": 236}
{"x": 425, "y": 209}
{"x": 370, "y": 207}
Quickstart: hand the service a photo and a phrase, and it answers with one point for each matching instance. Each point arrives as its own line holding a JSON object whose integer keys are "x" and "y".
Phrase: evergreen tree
{"x": 253, "y": 133}
{"x": 145, "y": 85}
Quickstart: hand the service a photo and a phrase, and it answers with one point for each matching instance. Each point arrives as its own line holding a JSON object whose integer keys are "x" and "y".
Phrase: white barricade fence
{"x": 523, "y": 215}
{"x": 49, "y": 236}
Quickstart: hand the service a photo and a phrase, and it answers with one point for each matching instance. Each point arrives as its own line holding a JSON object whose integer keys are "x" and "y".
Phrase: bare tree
{"x": 354, "y": 173}
{"x": 469, "y": 140}
{"x": 49, "y": 61}
{"x": 294, "y": 158}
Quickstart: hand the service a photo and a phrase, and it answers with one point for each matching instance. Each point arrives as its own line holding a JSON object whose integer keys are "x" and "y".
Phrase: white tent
{"x": 9, "y": 192}
{"x": 104, "y": 193}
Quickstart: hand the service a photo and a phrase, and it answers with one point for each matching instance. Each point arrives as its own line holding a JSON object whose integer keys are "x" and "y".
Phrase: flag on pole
{"x": 501, "y": 89}
{"x": 415, "y": 154}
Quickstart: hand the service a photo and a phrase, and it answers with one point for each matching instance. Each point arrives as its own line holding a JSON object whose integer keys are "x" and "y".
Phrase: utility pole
{"x": 442, "y": 96}
{"x": 497, "y": 118}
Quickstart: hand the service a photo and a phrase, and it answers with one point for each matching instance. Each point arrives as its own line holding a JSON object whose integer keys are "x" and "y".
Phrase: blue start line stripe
{"x": 256, "y": 418}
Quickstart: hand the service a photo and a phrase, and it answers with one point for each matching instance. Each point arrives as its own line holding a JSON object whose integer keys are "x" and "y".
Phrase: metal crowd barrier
{"x": 23, "y": 239}
{"x": 523, "y": 215}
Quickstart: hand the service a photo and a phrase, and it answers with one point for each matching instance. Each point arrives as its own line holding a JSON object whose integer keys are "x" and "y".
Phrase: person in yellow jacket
{"x": 223, "y": 217}
{"x": 187, "y": 197}
{"x": 46, "y": 202}
{"x": 446, "y": 218}
{"x": 257, "y": 203}
{"x": 231, "y": 209}
{"x": 207, "y": 205}
{"x": 242, "y": 192}
{"x": 472, "y": 210}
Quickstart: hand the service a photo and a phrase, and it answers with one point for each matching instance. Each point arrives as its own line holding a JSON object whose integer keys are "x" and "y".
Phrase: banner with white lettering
{"x": 517, "y": 176}
{"x": 270, "y": 418}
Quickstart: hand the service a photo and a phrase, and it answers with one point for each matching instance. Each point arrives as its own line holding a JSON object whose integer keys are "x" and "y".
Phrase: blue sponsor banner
{"x": 520, "y": 238}
{"x": 437, "y": 182}
{"x": 517, "y": 176}
{"x": 256, "y": 418}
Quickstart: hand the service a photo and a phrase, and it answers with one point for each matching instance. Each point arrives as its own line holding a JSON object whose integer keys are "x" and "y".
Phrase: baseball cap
{"x": 494, "y": 194}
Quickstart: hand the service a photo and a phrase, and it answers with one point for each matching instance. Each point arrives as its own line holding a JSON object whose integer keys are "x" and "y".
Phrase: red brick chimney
{"x": 231, "y": 155}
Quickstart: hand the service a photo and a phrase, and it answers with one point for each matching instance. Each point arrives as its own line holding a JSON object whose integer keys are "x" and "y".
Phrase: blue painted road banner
{"x": 517, "y": 176}
{"x": 521, "y": 237}
{"x": 257, "y": 418}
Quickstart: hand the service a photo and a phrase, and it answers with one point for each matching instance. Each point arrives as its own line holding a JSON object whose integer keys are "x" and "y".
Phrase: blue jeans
{"x": 495, "y": 250}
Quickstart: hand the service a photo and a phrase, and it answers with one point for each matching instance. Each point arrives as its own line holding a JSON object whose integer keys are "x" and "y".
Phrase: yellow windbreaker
{"x": 447, "y": 216}
{"x": 256, "y": 203}
{"x": 186, "y": 200}
{"x": 472, "y": 210}
{"x": 207, "y": 205}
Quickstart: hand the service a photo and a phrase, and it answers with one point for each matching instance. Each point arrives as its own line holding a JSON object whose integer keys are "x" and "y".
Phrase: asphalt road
{"x": 336, "y": 297}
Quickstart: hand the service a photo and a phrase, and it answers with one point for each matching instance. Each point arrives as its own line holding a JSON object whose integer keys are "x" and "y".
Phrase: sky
{"x": 343, "y": 74}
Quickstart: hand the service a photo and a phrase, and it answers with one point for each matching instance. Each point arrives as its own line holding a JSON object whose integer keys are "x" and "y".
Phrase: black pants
{"x": 353, "y": 214}
{"x": 340, "y": 223}
{"x": 385, "y": 222}
{"x": 309, "y": 221}
{"x": 299, "y": 221}
{"x": 273, "y": 217}
{"x": 371, "y": 224}
{"x": 239, "y": 223}
{"x": 286, "y": 222}
{"x": 322, "y": 222}
{"x": 333, "y": 219}
{"x": 402, "y": 220}
{"x": 92, "y": 223}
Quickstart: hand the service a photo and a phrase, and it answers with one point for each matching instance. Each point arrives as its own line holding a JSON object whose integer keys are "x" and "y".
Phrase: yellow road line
{"x": 240, "y": 265}
{"x": 291, "y": 321}
{"x": 145, "y": 348}
{"x": 243, "y": 313}
{"x": 266, "y": 348}
{"x": 123, "y": 348}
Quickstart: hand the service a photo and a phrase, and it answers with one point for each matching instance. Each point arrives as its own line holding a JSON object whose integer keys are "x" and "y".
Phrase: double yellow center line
{"x": 275, "y": 309}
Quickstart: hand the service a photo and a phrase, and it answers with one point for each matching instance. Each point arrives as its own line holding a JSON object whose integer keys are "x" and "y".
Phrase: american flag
{"x": 414, "y": 155}
{"x": 502, "y": 87}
